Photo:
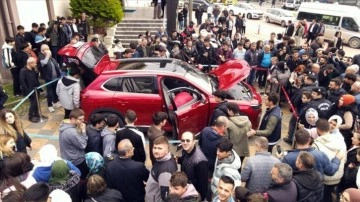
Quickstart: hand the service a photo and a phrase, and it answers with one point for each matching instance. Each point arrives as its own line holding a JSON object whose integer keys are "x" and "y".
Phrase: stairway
{"x": 129, "y": 29}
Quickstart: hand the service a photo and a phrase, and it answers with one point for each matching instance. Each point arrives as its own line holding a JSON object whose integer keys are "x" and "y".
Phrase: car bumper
{"x": 257, "y": 16}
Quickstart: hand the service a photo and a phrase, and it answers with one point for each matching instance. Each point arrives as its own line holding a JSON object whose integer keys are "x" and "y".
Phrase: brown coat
{"x": 236, "y": 132}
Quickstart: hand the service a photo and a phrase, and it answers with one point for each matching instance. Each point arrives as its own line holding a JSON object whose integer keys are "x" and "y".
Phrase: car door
{"x": 277, "y": 17}
{"x": 141, "y": 94}
{"x": 187, "y": 107}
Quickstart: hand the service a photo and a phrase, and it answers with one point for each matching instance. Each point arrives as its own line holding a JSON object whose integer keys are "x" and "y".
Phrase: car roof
{"x": 153, "y": 66}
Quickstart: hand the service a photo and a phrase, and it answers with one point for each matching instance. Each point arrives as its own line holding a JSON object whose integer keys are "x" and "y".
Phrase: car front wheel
{"x": 354, "y": 42}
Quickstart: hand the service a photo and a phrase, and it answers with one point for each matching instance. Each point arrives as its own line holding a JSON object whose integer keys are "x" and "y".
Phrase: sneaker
{"x": 57, "y": 104}
{"x": 287, "y": 140}
{"x": 51, "y": 109}
{"x": 34, "y": 119}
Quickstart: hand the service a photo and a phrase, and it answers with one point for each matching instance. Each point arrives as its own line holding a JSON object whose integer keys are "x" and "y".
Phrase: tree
{"x": 102, "y": 13}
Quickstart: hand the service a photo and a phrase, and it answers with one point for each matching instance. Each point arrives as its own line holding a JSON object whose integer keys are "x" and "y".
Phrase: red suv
{"x": 149, "y": 85}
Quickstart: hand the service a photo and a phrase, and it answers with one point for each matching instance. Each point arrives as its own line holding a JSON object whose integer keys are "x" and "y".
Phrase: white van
{"x": 335, "y": 18}
{"x": 292, "y": 4}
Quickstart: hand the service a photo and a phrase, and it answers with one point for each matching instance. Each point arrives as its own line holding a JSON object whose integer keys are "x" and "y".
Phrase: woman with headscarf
{"x": 12, "y": 125}
{"x": 311, "y": 117}
{"x": 95, "y": 163}
{"x": 66, "y": 180}
{"x": 347, "y": 110}
{"x": 48, "y": 155}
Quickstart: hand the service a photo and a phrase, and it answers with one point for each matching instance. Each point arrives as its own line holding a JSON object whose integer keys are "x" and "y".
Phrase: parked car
{"x": 149, "y": 85}
{"x": 248, "y": 9}
{"x": 292, "y": 4}
{"x": 278, "y": 16}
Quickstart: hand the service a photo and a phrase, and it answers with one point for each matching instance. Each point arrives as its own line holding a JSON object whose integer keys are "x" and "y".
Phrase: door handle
{"x": 121, "y": 102}
{"x": 184, "y": 119}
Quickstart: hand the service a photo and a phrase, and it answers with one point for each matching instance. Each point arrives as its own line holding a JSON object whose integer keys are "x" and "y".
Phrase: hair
{"x": 161, "y": 140}
{"x": 41, "y": 29}
{"x": 258, "y": 197}
{"x": 341, "y": 53}
{"x": 74, "y": 69}
{"x": 12, "y": 130}
{"x": 337, "y": 81}
{"x": 9, "y": 39}
{"x": 112, "y": 120}
{"x": 300, "y": 68}
{"x": 307, "y": 94}
{"x": 262, "y": 142}
{"x": 76, "y": 113}
{"x": 17, "y": 195}
{"x": 274, "y": 98}
{"x": 233, "y": 107}
{"x": 225, "y": 145}
{"x": 220, "y": 94}
{"x": 285, "y": 171}
{"x": 227, "y": 180}
{"x": 306, "y": 159}
{"x": 96, "y": 119}
{"x": 351, "y": 77}
{"x": 95, "y": 185}
{"x": 311, "y": 77}
{"x": 38, "y": 192}
{"x": 159, "y": 117}
{"x": 358, "y": 151}
{"x": 4, "y": 151}
{"x": 178, "y": 179}
{"x": 124, "y": 146}
{"x": 221, "y": 121}
{"x": 323, "y": 125}
{"x": 130, "y": 115}
{"x": 302, "y": 136}
{"x": 20, "y": 27}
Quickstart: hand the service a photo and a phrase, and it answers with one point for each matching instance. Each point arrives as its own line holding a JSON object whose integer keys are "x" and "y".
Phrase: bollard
{"x": 42, "y": 118}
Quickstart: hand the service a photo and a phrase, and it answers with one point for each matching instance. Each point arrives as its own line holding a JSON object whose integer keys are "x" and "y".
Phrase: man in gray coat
{"x": 73, "y": 140}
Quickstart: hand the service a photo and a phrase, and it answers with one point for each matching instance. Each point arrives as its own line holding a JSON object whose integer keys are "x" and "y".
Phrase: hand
{"x": 351, "y": 165}
{"x": 82, "y": 127}
{"x": 250, "y": 133}
{"x": 301, "y": 126}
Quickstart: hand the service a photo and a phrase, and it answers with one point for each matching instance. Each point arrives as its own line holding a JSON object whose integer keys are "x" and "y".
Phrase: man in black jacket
{"x": 308, "y": 181}
{"x": 127, "y": 175}
{"x": 28, "y": 81}
{"x": 313, "y": 30}
{"x": 290, "y": 29}
{"x": 135, "y": 136}
{"x": 93, "y": 131}
{"x": 220, "y": 109}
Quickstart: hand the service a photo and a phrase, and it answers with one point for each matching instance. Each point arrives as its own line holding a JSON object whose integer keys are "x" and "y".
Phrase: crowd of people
{"x": 103, "y": 162}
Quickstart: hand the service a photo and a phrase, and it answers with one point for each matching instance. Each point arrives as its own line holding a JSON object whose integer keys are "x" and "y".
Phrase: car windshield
{"x": 92, "y": 56}
{"x": 286, "y": 14}
{"x": 240, "y": 92}
{"x": 198, "y": 77}
{"x": 290, "y": 1}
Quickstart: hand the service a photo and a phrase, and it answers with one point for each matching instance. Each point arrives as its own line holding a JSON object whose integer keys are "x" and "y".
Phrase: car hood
{"x": 231, "y": 72}
{"x": 256, "y": 11}
{"x": 81, "y": 51}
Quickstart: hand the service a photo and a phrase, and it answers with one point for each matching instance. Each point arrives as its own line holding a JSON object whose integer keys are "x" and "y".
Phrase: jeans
{"x": 185, "y": 21}
{"x": 262, "y": 78}
{"x": 15, "y": 72}
{"x": 292, "y": 127}
{"x": 251, "y": 77}
{"x": 51, "y": 93}
{"x": 33, "y": 108}
{"x": 181, "y": 25}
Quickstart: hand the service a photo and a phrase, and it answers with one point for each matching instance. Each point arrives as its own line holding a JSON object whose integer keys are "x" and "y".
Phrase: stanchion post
{"x": 42, "y": 118}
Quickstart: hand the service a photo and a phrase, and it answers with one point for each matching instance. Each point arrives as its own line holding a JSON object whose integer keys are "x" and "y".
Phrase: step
{"x": 127, "y": 36}
{"x": 126, "y": 32}
{"x": 140, "y": 25}
{"x": 142, "y": 29}
{"x": 142, "y": 20}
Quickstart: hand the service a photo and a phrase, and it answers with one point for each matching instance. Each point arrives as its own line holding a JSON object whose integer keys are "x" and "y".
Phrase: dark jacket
{"x": 107, "y": 196}
{"x": 72, "y": 186}
{"x": 128, "y": 177}
{"x": 94, "y": 143}
{"x": 267, "y": 128}
{"x": 194, "y": 165}
{"x": 252, "y": 57}
{"x": 3, "y": 97}
{"x": 227, "y": 55}
{"x": 283, "y": 193}
{"x": 210, "y": 58}
{"x": 19, "y": 41}
{"x": 290, "y": 30}
{"x": 22, "y": 142}
{"x": 323, "y": 164}
{"x": 334, "y": 96}
{"x": 47, "y": 67}
{"x": 21, "y": 59}
{"x": 322, "y": 106}
{"x": 28, "y": 80}
{"x": 309, "y": 184}
{"x": 152, "y": 134}
{"x": 209, "y": 138}
{"x": 131, "y": 133}
{"x": 220, "y": 110}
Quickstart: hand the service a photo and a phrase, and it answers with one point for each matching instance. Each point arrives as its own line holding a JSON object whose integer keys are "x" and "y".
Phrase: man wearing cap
{"x": 220, "y": 109}
{"x": 319, "y": 103}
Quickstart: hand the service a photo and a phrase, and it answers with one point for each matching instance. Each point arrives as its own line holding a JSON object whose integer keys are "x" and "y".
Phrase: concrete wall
{"x": 32, "y": 11}
{"x": 62, "y": 8}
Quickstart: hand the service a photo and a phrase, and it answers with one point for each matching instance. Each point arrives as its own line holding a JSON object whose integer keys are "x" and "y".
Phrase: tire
{"x": 267, "y": 19}
{"x": 283, "y": 23}
{"x": 354, "y": 42}
{"x": 249, "y": 16}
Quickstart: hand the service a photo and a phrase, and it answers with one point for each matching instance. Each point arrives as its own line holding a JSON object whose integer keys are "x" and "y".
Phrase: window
{"x": 327, "y": 19}
{"x": 349, "y": 24}
{"x": 139, "y": 85}
{"x": 278, "y": 13}
{"x": 112, "y": 84}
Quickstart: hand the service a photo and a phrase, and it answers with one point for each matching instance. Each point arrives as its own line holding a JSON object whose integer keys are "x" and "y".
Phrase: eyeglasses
{"x": 186, "y": 140}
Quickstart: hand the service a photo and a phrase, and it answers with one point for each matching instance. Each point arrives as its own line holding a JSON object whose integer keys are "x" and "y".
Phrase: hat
{"x": 319, "y": 90}
{"x": 338, "y": 120}
{"x": 94, "y": 161}
{"x": 48, "y": 154}
{"x": 347, "y": 99}
{"x": 60, "y": 172}
{"x": 241, "y": 193}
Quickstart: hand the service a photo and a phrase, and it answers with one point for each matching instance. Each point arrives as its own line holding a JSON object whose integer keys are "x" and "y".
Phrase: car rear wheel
{"x": 354, "y": 42}
{"x": 267, "y": 19}
{"x": 249, "y": 16}
{"x": 283, "y": 23}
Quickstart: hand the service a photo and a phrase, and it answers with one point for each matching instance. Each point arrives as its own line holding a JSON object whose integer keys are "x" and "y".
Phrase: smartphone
{"x": 278, "y": 148}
